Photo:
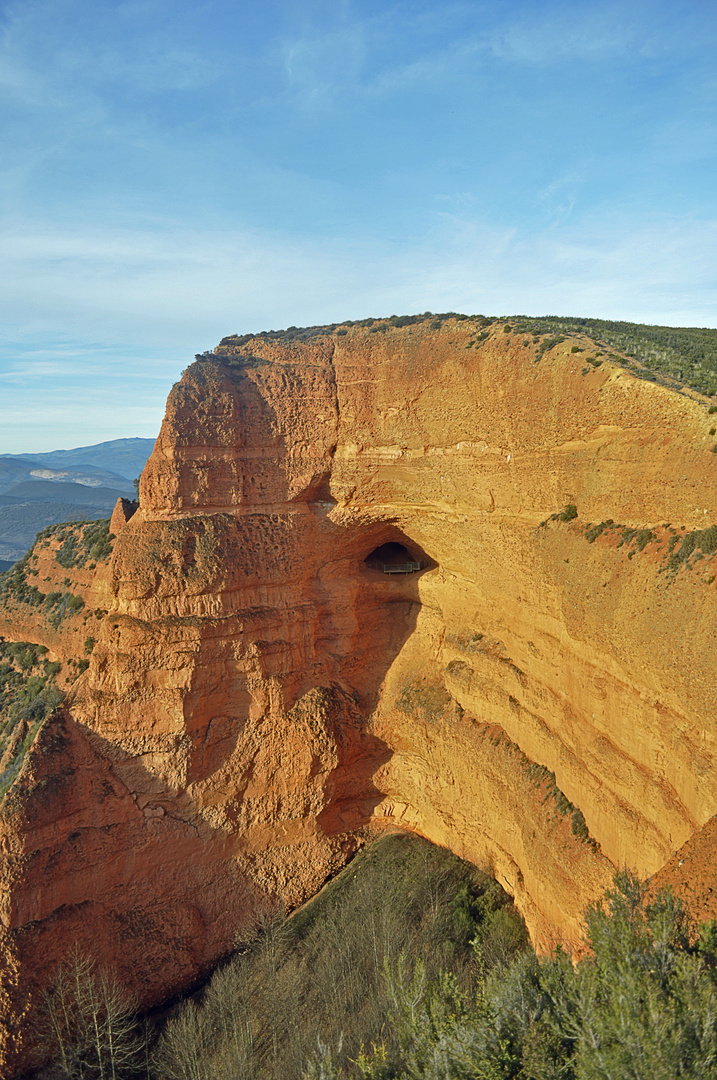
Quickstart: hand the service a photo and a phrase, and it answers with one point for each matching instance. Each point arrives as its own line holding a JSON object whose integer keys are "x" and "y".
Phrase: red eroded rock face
{"x": 261, "y": 698}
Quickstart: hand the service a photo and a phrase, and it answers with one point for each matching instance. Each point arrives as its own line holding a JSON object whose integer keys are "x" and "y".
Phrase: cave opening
{"x": 392, "y": 558}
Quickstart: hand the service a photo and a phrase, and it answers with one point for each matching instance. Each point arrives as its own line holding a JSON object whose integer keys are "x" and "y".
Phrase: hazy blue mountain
{"x": 18, "y": 470}
{"x": 37, "y": 490}
{"x": 12, "y": 471}
{"x": 123, "y": 457}
{"x": 48, "y": 491}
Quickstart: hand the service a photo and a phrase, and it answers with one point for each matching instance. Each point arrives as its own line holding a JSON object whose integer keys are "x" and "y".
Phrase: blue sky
{"x": 175, "y": 170}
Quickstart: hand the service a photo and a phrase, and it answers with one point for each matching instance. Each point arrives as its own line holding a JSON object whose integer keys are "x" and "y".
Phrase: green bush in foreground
{"x": 643, "y": 1006}
{"x": 319, "y": 976}
{"x": 412, "y": 965}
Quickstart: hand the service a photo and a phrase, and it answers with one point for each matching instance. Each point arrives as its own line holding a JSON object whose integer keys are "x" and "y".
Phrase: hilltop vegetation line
{"x": 685, "y": 355}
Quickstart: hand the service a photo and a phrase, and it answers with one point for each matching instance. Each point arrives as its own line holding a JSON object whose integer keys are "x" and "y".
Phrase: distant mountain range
{"x": 120, "y": 457}
{"x": 37, "y": 490}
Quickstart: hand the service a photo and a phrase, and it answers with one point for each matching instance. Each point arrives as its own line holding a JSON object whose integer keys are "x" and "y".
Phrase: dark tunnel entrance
{"x": 392, "y": 558}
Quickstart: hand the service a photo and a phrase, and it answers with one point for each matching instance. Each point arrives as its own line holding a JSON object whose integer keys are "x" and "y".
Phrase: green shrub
{"x": 542, "y": 777}
{"x": 547, "y": 344}
{"x": 320, "y": 976}
{"x": 578, "y": 825}
{"x": 81, "y": 542}
{"x": 643, "y": 538}
{"x": 703, "y": 540}
{"x": 707, "y": 541}
{"x": 425, "y": 700}
{"x": 61, "y": 604}
{"x": 67, "y": 552}
{"x": 14, "y": 586}
{"x": 28, "y": 697}
{"x": 569, "y": 512}
{"x": 641, "y": 1005}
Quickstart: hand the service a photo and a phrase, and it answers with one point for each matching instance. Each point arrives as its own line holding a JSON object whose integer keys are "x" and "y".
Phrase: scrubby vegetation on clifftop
{"x": 675, "y": 355}
{"x": 687, "y": 354}
{"x": 78, "y": 545}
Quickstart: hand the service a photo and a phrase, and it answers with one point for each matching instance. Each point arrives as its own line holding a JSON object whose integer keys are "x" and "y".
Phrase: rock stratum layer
{"x": 539, "y": 697}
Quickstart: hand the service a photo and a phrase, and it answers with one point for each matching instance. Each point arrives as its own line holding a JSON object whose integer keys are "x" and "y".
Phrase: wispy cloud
{"x": 201, "y": 286}
{"x": 546, "y": 37}
{"x": 184, "y": 285}
{"x": 139, "y": 47}
{"x": 175, "y": 172}
{"x": 319, "y": 64}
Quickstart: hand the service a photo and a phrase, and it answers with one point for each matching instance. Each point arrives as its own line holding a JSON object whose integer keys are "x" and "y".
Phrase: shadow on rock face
{"x": 366, "y": 615}
{"x": 219, "y": 756}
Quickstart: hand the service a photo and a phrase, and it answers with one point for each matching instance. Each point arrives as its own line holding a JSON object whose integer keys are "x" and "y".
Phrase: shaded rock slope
{"x": 260, "y": 698}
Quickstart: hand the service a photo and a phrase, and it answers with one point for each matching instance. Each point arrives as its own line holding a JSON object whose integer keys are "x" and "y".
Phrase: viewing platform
{"x": 398, "y": 568}
{"x": 409, "y": 567}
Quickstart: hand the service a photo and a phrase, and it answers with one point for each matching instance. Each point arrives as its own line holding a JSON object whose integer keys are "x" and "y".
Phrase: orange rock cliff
{"x": 539, "y": 696}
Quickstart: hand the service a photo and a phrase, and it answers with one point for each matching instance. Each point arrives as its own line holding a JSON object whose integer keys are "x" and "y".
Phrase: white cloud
{"x": 164, "y": 189}
{"x": 152, "y": 303}
{"x": 187, "y": 287}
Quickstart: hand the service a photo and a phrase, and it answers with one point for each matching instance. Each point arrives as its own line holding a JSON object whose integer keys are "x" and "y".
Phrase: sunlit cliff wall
{"x": 259, "y": 700}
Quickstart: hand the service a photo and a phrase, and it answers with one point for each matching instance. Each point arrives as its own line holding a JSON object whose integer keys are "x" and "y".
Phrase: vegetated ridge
{"x": 681, "y": 355}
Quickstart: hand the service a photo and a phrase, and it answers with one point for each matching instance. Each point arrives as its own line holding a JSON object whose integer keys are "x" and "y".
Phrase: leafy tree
{"x": 641, "y": 1006}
